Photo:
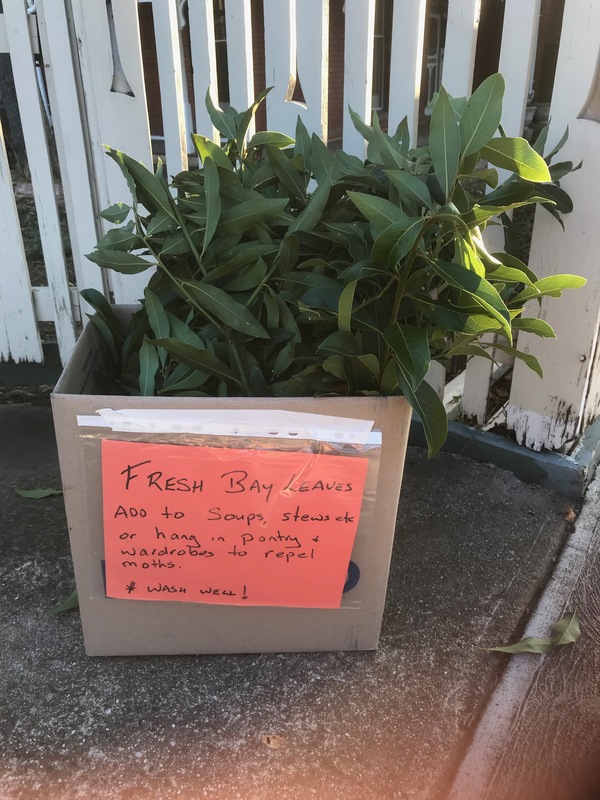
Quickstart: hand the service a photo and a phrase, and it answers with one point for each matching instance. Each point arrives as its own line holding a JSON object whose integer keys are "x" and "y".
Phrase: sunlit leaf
{"x": 566, "y": 630}
{"x": 539, "y": 327}
{"x": 531, "y": 644}
{"x": 552, "y": 285}
{"x": 518, "y": 156}
{"x": 481, "y": 116}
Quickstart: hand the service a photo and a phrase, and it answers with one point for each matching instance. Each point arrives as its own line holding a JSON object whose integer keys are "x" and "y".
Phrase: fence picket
{"x": 113, "y": 85}
{"x": 408, "y": 31}
{"x": 461, "y": 41}
{"x": 296, "y": 48}
{"x": 280, "y": 63}
{"x": 70, "y": 144}
{"x": 240, "y": 59}
{"x": 517, "y": 55}
{"x": 549, "y": 413}
{"x": 204, "y": 63}
{"x": 358, "y": 70}
{"x": 19, "y": 337}
{"x": 312, "y": 23}
{"x": 168, "y": 52}
{"x": 32, "y": 121}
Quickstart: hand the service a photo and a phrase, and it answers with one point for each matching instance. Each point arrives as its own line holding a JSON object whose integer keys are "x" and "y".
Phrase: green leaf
{"x": 116, "y": 213}
{"x": 552, "y": 285}
{"x": 97, "y": 300}
{"x": 263, "y": 138}
{"x": 192, "y": 380}
{"x": 287, "y": 319}
{"x": 379, "y": 211}
{"x": 455, "y": 319}
{"x": 514, "y": 263}
{"x": 396, "y": 240}
{"x": 149, "y": 363}
{"x": 160, "y": 223}
{"x": 478, "y": 288}
{"x": 530, "y": 644}
{"x": 303, "y": 144}
{"x": 389, "y": 384}
{"x": 467, "y": 349}
{"x": 206, "y": 148}
{"x": 213, "y": 201}
{"x": 365, "y": 130}
{"x": 566, "y": 630}
{"x": 480, "y": 214}
{"x": 149, "y": 189}
{"x": 71, "y": 603}
{"x": 106, "y": 332}
{"x": 388, "y": 150}
{"x": 345, "y": 304}
{"x": 241, "y": 217}
{"x": 247, "y": 278}
{"x": 217, "y": 302}
{"x": 508, "y": 275}
{"x": 539, "y": 327}
{"x": 322, "y": 159}
{"x": 286, "y": 172}
{"x": 126, "y": 263}
{"x": 202, "y": 360}
{"x": 425, "y": 401}
{"x": 37, "y": 494}
{"x": 313, "y": 213}
{"x": 340, "y": 343}
{"x": 488, "y": 176}
{"x": 157, "y": 316}
{"x": 410, "y": 188}
{"x": 467, "y": 256}
{"x": 289, "y": 250}
{"x": 444, "y": 143}
{"x": 411, "y": 348}
{"x": 221, "y": 120}
{"x": 518, "y": 156}
{"x": 246, "y": 118}
{"x": 527, "y": 358}
{"x": 481, "y": 116}
{"x": 180, "y": 330}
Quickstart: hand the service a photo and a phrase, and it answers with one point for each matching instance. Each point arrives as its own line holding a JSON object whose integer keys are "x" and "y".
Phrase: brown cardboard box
{"x": 133, "y": 627}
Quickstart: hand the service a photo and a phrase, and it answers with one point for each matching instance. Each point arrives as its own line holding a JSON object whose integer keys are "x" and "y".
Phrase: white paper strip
{"x": 230, "y": 422}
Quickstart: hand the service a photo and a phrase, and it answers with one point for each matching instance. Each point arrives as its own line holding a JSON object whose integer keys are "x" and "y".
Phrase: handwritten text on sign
{"x": 221, "y": 525}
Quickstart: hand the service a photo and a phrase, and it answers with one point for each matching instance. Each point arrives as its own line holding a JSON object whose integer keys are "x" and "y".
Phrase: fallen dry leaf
{"x": 570, "y": 516}
{"x": 273, "y": 741}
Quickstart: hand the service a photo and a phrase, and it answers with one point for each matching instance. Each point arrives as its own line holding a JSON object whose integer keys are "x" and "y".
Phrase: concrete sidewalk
{"x": 475, "y": 548}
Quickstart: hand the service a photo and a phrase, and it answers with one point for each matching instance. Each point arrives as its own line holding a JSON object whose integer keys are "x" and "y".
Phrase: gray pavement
{"x": 475, "y": 548}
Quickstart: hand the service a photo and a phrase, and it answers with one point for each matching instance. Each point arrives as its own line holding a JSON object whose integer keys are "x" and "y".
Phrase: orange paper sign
{"x": 236, "y": 527}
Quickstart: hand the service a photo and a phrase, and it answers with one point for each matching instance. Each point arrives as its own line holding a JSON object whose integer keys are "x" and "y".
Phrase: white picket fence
{"x": 94, "y": 71}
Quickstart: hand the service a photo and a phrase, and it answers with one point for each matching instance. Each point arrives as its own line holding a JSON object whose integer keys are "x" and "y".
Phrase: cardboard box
{"x": 140, "y": 627}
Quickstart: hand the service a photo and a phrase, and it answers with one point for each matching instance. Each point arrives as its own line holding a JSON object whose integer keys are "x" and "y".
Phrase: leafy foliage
{"x": 283, "y": 269}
